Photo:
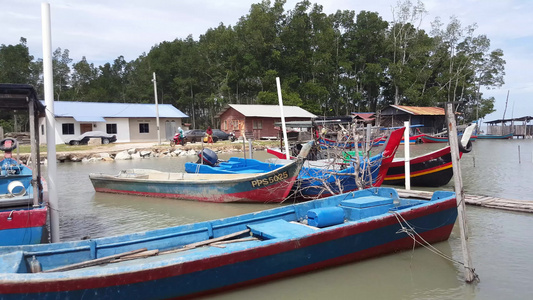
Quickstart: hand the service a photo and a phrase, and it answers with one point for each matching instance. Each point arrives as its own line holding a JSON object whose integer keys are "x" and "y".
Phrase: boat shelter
{"x": 520, "y": 127}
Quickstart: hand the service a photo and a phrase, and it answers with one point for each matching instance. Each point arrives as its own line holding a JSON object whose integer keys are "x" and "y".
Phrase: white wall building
{"x": 130, "y": 122}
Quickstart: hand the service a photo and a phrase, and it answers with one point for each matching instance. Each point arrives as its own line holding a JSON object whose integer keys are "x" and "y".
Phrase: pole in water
{"x": 407, "y": 159}
{"x": 459, "y": 192}
{"x": 519, "y": 159}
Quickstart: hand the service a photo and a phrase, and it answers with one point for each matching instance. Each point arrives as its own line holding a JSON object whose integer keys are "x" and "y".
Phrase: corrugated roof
{"x": 269, "y": 111}
{"x": 98, "y": 110}
{"x": 424, "y": 111}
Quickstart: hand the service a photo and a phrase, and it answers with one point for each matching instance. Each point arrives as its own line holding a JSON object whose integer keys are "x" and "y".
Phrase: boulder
{"x": 124, "y": 155}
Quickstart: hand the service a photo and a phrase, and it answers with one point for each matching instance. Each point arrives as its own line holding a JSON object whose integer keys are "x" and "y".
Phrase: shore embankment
{"x": 125, "y": 151}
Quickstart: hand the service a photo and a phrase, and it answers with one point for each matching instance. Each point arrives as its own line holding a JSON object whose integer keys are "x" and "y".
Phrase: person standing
{"x": 209, "y": 133}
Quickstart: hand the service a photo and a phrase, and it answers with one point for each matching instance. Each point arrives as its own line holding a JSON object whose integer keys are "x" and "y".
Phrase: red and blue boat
{"x": 316, "y": 179}
{"x": 23, "y": 207}
{"x": 273, "y": 186}
{"x": 214, "y": 256}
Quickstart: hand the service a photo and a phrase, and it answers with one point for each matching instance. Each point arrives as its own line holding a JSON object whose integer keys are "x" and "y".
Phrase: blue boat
{"x": 213, "y": 256}
{"x": 314, "y": 182}
{"x": 23, "y": 209}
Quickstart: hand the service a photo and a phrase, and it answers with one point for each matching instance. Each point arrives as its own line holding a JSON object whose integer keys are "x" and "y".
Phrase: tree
{"x": 61, "y": 72}
{"x": 15, "y": 63}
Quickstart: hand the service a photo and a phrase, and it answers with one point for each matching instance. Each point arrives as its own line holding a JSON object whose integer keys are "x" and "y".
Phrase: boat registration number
{"x": 270, "y": 180}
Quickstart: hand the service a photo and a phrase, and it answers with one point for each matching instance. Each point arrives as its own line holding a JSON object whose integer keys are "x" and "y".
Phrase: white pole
{"x": 53, "y": 202}
{"x": 459, "y": 192}
{"x": 407, "y": 158}
{"x": 156, "y": 111}
{"x": 283, "y": 126}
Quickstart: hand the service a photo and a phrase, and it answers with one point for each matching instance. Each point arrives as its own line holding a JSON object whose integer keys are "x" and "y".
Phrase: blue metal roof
{"x": 95, "y": 111}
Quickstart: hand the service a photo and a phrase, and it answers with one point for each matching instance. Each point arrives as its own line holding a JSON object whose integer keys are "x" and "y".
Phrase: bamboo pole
{"x": 459, "y": 192}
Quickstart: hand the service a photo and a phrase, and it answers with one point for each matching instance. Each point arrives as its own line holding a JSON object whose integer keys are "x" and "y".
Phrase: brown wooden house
{"x": 257, "y": 121}
{"x": 433, "y": 119}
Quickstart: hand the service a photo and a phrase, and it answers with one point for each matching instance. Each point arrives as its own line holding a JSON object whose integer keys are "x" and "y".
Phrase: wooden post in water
{"x": 459, "y": 192}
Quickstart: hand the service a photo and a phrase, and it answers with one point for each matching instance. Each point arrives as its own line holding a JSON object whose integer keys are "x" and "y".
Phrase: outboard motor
{"x": 207, "y": 157}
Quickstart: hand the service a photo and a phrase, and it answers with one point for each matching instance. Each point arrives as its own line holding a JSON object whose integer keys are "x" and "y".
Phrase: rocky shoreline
{"x": 139, "y": 151}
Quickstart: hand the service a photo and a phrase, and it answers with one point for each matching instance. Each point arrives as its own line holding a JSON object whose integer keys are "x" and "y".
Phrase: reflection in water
{"x": 500, "y": 242}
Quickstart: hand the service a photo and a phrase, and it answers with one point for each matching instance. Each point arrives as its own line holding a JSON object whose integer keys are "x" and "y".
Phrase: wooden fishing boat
{"x": 317, "y": 179}
{"x": 495, "y": 137}
{"x": 433, "y": 169}
{"x": 272, "y": 186}
{"x": 23, "y": 208}
{"x": 213, "y": 256}
{"x": 443, "y": 137}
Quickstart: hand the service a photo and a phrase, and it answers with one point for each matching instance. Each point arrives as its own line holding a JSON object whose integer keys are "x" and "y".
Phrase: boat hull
{"x": 429, "y": 170}
{"x": 22, "y": 226}
{"x": 273, "y": 186}
{"x": 495, "y": 137}
{"x": 221, "y": 270}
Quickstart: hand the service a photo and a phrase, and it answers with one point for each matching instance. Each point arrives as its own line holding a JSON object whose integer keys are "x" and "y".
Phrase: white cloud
{"x": 103, "y": 30}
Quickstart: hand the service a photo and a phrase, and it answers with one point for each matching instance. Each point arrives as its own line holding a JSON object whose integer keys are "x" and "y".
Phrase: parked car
{"x": 196, "y": 135}
{"x": 84, "y": 138}
{"x": 221, "y": 135}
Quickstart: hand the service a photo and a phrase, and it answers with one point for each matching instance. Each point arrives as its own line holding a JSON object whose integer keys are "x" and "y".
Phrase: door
{"x": 86, "y": 127}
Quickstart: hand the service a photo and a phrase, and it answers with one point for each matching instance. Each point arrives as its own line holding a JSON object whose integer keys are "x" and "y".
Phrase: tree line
{"x": 328, "y": 64}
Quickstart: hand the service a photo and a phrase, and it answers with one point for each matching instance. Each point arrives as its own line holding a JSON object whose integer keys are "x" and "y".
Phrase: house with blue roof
{"x": 130, "y": 122}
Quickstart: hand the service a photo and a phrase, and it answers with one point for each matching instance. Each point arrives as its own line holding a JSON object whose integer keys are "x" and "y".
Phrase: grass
{"x": 59, "y": 148}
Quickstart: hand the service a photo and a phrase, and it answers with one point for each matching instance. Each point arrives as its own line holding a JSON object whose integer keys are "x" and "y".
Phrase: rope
{"x": 411, "y": 232}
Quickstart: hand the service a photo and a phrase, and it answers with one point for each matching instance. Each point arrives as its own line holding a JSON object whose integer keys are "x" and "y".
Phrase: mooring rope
{"x": 411, "y": 232}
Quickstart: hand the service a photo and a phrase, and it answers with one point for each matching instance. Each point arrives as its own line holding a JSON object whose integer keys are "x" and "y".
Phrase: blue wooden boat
{"x": 315, "y": 182}
{"x": 272, "y": 186}
{"x": 23, "y": 210}
{"x": 213, "y": 256}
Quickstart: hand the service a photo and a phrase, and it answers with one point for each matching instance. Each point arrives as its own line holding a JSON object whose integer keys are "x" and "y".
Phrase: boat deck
{"x": 484, "y": 201}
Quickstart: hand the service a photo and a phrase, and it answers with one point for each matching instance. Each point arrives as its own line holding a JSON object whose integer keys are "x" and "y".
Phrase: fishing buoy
{"x": 16, "y": 188}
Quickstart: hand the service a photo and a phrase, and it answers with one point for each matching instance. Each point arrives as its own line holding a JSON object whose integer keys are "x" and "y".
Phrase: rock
{"x": 74, "y": 158}
{"x": 94, "y": 141}
{"x": 131, "y": 151}
{"x": 105, "y": 155}
{"x": 107, "y": 159}
{"x": 136, "y": 155}
{"x": 124, "y": 155}
{"x": 145, "y": 153}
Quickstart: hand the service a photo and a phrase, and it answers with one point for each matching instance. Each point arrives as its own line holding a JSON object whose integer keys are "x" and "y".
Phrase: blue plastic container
{"x": 324, "y": 217}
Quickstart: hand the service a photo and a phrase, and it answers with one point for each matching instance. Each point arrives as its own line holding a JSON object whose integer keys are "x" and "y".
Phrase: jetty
{"x": 484, "y": 201}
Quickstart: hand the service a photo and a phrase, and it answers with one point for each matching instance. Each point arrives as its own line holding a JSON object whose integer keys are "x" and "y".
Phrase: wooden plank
{"x": 94, "y": 262}
{"x": 479, "y": 200}
{"x": 206, "y": 242}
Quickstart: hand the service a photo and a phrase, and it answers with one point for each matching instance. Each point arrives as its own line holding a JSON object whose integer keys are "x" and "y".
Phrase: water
{"x": 501, "y": 242}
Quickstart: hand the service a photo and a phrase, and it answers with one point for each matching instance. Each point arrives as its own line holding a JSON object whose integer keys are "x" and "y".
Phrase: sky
{"x": 102, "y": 30}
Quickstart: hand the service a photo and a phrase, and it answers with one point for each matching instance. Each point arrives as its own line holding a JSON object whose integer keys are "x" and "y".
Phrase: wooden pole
{"x": 459, "y": 192}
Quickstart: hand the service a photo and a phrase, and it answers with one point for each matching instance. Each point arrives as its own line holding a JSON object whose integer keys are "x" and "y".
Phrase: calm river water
{"x": 501, "y": 242}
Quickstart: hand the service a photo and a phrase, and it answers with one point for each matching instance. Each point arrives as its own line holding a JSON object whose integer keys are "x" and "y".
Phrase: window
{"x": 42, "y": 129}
{"x": 258, "y": 124}
{"x": 225, "y": 124}
{"x": 68, "y": 128}
{"x": 144, "y": 128}
{"x": 111, "y": 128}
{"x": 236, "y": 125}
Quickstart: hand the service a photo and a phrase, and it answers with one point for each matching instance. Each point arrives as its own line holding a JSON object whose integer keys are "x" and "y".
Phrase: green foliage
{"x": 328, "y": 64}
